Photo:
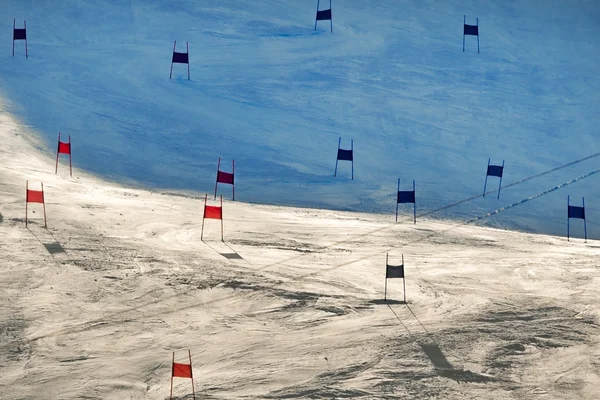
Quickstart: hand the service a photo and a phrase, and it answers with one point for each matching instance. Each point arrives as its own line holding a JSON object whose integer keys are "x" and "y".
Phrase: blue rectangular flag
{"x": 345, "y": 155}
{"x": 495, "y": 170}
{"x": 324, "y": 15}
{"x": 576, "y": 212}
{"x": 406, "y": 197}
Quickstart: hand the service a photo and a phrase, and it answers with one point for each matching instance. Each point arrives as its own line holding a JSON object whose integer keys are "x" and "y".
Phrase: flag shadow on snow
{"x": 53, "y": 247}
{"x": 444, "y": 368}
{"x": 388, "y": 301}
{"x": 230, "y": 255}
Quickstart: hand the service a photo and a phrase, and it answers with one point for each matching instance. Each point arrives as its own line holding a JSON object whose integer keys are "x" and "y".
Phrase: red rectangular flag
{"x": 64, "y": 148}
{"x": 213, "y": 212}
{"x": 182, "y": 370}
{"x": 35, "y": 196}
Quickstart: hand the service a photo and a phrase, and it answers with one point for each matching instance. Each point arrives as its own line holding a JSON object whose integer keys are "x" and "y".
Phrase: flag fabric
{"x": 225, "y": 177}
{"x": 182, "y": 370}
{"x": 495, "y": 170}
{"x": 472, "y": 30}
{"x": 576, "y": 212}
{"x": 181, "y": 58}
{"x": 394, "y": 271}
{"x": 324, "y": 15}
{"x": 213, "y": 212}
{"x": 406, "y": 197}
{"x": 64, "y": 148}
{"x": 35, "y": 196}
{"x": 19, "y": 34}
{"x": 345, "y": 155}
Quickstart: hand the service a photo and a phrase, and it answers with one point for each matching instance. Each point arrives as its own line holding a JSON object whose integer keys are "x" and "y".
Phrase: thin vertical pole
{"x": 486, "y": 176}
{"x": 203, "y": 215}
{"x": 352, "y": 151}
{"x": 187, "y": 47}
{"x": 318, "y": 1}
{"x": 217, "y": 178}
{"x": 500, "y": 184}
{"x": 172, "y": 370}
{"x": 14, "y": 26}
{"x": 222, "y": 219}
{"x": 397, "y": 200}
{"x": 26, "y": 200}
{"x": 404, "y": 278}
{"x": 337, "y": 155}
{"x": 568, "y": 219}
{"x": 44, "y": 205}
{"x": 331, "y": 16}
{"x": 584, "y": 223}
{"x": 414, "y": 203}
{"x": 57, "y": 150}
{"x": 386, "y": 266}
{"x": 233, "y": 173}
{"x": 464, "y": 23}
{"x": 25, "y": 26}
{"x": 477, "y": 35}
{"x": 70, "y": 157}
{"x": 192, "y": 375}
{"x": 171, "y": 73}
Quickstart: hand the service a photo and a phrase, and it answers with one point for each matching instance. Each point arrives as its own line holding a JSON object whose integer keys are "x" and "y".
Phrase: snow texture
{"x": 291, "y": 305}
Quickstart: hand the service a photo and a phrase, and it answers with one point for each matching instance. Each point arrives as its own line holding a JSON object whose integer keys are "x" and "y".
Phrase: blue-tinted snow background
{"x": 274, "y": 95}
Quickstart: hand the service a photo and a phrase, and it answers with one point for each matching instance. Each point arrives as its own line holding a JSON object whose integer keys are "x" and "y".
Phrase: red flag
{"x": 225, "y": 177}
{"x": 35, "y": 196}
{"x": 64, "y": 148}
{"x": 182, "y": 370}
{"x": 213, "y": 212}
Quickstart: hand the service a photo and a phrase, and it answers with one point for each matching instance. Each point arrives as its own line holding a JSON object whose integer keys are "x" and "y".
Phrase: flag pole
{"x": 404, "y": 278}
{"x": 44, "y": 205}
{"x": 172, "y": 371}
{"x": 203, "y": 215}
{"x": 191, "y": 375}
{"x": 385, "y": 290}
{"x": 70, "y": 157}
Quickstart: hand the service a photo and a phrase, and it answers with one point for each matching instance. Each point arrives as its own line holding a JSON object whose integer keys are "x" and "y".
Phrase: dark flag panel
{"x": 180, "y": 58}
{"x": 496, "y": 171}
{"x": 394, "y": 271}
{"x": 324, "y": 15}
{"x": 577, "y": 213}
{"x": 344, "y": 155}
{"x": 226, "y": 177}
{"x": 20, "y": 34}
{"x": 406, "y": 196}
{"x": 470, "y": 30}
